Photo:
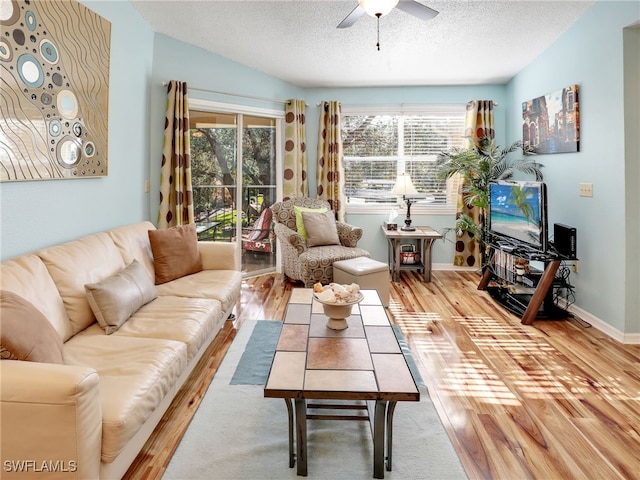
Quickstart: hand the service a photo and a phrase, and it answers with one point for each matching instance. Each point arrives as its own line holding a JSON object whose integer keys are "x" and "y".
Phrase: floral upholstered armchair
{"x": 311, "y": 240}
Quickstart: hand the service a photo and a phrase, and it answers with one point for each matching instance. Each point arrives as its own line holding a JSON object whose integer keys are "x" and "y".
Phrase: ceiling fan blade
{"x": 350, "y": 19}
{"x": 417, "y": 9}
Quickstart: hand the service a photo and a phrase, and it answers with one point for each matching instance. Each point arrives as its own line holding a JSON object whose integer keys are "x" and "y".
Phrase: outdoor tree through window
{"x": 218, "y": 154}
{"x": 380, "y": 146}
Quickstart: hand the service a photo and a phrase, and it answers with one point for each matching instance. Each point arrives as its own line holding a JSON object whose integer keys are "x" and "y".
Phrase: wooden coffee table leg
{"x": 301, "y": 435}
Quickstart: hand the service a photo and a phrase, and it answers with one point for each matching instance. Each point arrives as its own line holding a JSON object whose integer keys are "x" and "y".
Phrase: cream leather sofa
{"x": 89, "y": 417}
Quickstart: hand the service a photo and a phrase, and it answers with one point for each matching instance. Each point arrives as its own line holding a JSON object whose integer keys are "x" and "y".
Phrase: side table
{"x": 425, "y": 237}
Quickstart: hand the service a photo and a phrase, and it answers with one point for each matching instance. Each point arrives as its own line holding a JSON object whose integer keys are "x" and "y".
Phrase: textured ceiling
{"x": 469, "y": 42}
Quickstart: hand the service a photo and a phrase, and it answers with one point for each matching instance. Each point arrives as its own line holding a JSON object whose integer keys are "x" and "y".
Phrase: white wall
{"x": 36, "y": 214}
{"x": 590, "y": 54}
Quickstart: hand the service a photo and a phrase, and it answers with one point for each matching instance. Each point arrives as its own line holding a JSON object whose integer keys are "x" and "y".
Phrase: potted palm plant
{"x": 478, "y": 165}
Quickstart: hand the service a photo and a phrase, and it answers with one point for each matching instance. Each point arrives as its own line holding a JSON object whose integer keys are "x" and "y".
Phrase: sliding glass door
{"x": 229, "y": 206}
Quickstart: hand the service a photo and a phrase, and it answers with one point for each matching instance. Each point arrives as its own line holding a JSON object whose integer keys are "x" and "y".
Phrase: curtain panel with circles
{"x": 478, "y": 124}
{"x": 295, "y": 182}
{"x": 330, "y": 172}
{"x": 176, "y": 191}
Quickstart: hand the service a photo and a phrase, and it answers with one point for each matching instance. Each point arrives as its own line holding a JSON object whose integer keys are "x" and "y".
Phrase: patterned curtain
{"x": 176, "y": 192}
{"x": 330, "y": 159}
{"x": 478, "y": 124}
{"x": 295, "y": 156}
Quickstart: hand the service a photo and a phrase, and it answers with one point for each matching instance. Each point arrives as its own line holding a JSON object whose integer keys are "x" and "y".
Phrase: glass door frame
{"x": 239, "y": 111}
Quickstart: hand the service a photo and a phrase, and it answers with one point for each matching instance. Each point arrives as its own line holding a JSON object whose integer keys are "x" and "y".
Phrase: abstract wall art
{"x": 54, "y": 91}
{"x": 551, "y": 123}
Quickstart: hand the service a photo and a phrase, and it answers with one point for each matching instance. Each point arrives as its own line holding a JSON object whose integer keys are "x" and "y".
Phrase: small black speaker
{"x": 565, "y": 240}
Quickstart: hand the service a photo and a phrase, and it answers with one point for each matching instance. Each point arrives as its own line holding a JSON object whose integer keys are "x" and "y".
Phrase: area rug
{"x": 237, "y": 434}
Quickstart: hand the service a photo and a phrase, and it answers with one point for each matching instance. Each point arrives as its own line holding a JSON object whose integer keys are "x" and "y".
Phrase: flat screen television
{"x": 518, "y": 212}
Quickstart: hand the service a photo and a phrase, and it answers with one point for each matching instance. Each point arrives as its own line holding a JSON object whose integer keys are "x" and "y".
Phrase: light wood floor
{"x": 555, "y": 400}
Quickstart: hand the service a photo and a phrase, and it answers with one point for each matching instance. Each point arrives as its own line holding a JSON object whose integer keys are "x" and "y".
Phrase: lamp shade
{"x": 377, "y": 7}
{"x": 404, "y": 186}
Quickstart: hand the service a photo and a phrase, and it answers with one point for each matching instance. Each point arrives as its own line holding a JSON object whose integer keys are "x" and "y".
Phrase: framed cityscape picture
{"x": 54, "y": 64}
{"x": 551, "y": 123}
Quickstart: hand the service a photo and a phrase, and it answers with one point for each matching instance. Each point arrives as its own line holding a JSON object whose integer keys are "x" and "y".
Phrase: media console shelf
{"x": 529, "y": 296}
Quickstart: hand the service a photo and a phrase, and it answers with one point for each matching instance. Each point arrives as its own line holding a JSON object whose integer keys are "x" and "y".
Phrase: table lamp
{"x": 404, "y": 186}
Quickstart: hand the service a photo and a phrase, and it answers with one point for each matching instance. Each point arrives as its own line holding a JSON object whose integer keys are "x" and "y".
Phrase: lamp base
{"x": 408, "y": 229}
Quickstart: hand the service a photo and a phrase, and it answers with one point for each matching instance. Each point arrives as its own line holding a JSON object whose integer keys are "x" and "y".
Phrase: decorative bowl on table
{"x": 338, "y": 312}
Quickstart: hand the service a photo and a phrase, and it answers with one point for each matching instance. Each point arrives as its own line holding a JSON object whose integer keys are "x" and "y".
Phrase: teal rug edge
{"x": 255, "y": 362}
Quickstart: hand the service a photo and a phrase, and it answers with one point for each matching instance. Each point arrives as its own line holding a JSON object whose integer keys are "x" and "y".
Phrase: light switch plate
{"x": 586, "y": 189}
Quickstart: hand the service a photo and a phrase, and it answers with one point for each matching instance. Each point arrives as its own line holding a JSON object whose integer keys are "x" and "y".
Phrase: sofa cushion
{"x": 199, "y": 318}
{"x": 117, "y": 297}
{"x": 25, "y": 334}
{"x": 222, "y": 285}
{"x": 73, "y": 264}
{"x": 175, "y": 252}
{"x": 28, "y": 277}
{"x": 321, "y": 228}
{"x": 297, "y": 210}
{"x": 133, "y": 242}
{"x": 136, "y": 374}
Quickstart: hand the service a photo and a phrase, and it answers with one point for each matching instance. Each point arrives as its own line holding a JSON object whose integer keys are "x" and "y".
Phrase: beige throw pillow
{"x": 299, "y": 222}
{"x": 175, "y": 252}
{"x": 25, "y": 333}
{"x": 321, "y": 228}
{"x": 119, "y": 296}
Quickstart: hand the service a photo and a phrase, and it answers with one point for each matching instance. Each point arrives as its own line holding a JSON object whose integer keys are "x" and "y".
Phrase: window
{"x": 380, "y": 146}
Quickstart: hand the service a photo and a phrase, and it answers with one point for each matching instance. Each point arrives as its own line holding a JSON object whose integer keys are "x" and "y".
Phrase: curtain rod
{"x": 495, "y": 104}
{"x": 284, "y": 102}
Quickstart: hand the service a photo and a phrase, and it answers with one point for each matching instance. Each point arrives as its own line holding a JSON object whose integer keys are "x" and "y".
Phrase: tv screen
{"x": 518, "y": 211}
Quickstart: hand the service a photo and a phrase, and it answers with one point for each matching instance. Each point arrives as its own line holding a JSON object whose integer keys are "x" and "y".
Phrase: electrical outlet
{"x": 146, "y": 186}
{"x": 575, "y": 266}
{"x": 586, "y": 189}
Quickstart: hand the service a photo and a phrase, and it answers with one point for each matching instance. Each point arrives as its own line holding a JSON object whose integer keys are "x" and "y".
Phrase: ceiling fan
{"x": 379, "y": 8}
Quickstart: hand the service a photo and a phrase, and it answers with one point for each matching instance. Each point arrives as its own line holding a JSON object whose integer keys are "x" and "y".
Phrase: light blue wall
{"x": 590, "y": 54}
{"x": 632, "y": 153}
{"x": 174, "y": 60}
{"x": 204, "y": 71}
{"x": 36, "y": 214}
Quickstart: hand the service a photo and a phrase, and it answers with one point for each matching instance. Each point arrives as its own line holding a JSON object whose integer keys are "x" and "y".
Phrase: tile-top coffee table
{"x": 361, "y": 363}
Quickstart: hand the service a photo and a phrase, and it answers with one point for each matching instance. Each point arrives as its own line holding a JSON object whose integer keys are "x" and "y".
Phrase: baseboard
{"x": 452, "y": 267}
{"x": 604, "y": 327}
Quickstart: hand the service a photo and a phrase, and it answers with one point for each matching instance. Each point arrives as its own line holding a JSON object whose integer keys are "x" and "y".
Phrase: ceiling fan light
{"x": 377, "y": 7}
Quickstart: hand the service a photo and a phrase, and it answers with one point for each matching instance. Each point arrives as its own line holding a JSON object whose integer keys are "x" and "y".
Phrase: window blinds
{"x": 379, "y": 147}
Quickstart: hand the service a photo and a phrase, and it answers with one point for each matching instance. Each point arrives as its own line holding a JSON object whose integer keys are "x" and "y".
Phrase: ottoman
{"x": 366, "y": 272}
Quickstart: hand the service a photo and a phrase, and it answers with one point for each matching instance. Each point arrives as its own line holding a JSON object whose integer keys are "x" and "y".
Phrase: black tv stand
{"x": 529, "y": 296}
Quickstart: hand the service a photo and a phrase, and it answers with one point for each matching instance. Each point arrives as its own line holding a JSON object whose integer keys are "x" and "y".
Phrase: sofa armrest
{"x": 290, "y": 237}
{"x": 218, "y": 255}
{"x": 51, "y": 417}
{"x": 349, "y": 235}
